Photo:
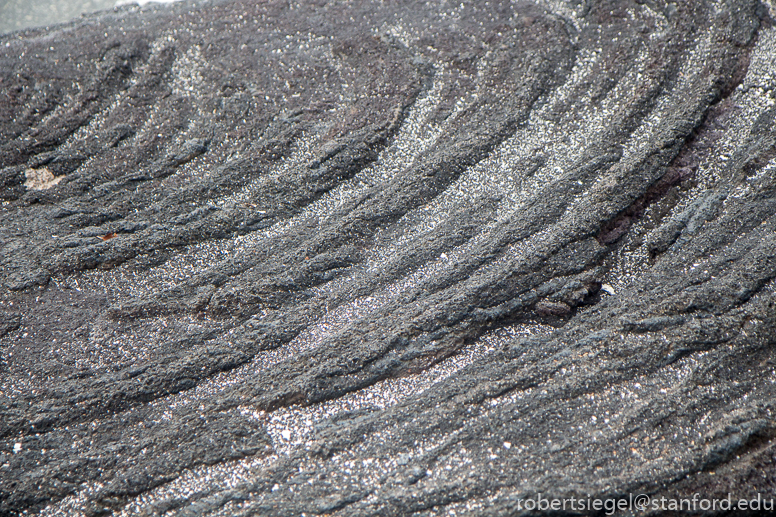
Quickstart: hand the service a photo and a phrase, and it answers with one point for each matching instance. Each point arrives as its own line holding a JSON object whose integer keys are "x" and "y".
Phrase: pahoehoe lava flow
{"x": 387, "y": 258}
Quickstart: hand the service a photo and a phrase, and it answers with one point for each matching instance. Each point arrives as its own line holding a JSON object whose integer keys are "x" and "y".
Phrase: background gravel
{"x": 21, "y": 14}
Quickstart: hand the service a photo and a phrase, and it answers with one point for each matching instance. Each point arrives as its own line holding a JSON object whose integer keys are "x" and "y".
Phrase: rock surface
{"x": 387, "y": 258}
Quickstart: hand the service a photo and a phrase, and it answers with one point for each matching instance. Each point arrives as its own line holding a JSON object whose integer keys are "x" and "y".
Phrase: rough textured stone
{"x": 270, "y": 258}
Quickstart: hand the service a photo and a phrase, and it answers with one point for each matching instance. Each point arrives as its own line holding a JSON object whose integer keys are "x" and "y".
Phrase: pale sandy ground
{"x": 21, "y": 14}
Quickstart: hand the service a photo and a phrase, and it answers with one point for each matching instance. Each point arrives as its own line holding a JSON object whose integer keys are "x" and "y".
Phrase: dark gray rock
{"x": 387, "y": 258}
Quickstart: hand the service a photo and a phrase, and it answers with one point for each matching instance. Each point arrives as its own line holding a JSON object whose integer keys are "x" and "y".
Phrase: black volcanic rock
{"x": 387, "y": 258}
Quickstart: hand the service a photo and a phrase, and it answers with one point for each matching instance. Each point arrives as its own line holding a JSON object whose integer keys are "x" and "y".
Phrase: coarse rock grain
{"x": 387, "y": 258}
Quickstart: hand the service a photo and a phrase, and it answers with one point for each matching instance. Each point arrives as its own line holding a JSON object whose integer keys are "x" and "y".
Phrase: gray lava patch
{"x": 387, "y": 258}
